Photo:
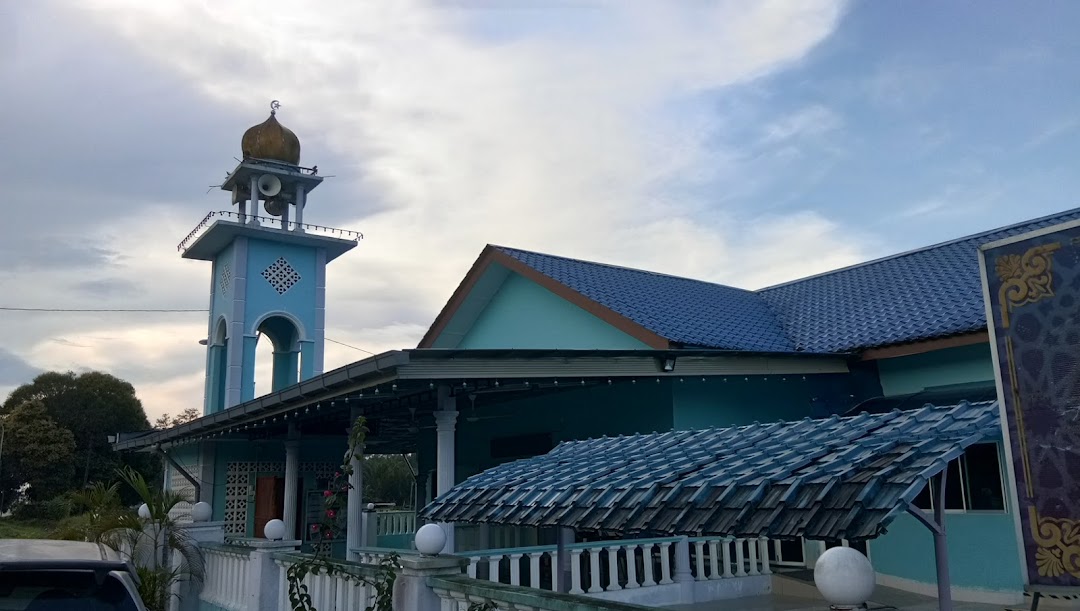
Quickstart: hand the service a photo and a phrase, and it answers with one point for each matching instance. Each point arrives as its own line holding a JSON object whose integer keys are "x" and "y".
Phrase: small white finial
{"x": 274, "y": 105}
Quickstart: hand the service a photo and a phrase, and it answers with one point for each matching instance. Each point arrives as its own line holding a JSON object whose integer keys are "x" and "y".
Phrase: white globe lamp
{"x": 844, "y": 577}
{"x": 274, "y": 530}
{"x": 144, "y": 511}
{"x": 430, "y": 539}
{"x": 201, "y": 512}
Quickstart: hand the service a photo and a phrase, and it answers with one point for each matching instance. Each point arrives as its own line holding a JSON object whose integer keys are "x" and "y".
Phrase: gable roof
{"x": 681, "y": 310}
{"x": 929, "y": 293}
{"x": 834, "y": 478}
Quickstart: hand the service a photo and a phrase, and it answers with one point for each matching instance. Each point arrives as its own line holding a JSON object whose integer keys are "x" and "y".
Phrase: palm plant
{"x": 162, "y": 553}
{"x": 97, "y": 509}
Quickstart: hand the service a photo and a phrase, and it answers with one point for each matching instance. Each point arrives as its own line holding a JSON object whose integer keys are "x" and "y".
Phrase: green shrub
{"x": 52, "y": 510}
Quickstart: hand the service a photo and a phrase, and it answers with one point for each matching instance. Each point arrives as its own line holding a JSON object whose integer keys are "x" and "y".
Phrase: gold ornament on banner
{"x": 1059, "y": 545}
{"x": 1025, "y": 278}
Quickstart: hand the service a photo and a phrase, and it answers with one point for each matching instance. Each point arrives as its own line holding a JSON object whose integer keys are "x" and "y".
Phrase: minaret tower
{"x": 269, "y": 270}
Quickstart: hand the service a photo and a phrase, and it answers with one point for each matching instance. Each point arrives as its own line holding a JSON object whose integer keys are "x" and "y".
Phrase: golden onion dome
{"x": 271, "y": 140}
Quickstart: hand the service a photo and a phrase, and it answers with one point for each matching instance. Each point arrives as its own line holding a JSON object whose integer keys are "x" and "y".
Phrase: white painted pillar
{"x": 683, "y": 575}
{"x": 445, "y": 427}
{"x": 292, "y": 480}
{"x": 354, "y": 527}
{"x": 300, "y": 201}
{"x": 254, "y": 199}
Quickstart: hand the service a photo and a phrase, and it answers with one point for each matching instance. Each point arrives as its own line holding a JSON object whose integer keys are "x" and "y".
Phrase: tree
{"x": 37, "y": 451}
{"x": 91, "y": 406}
{"x": 388, "y": 479}
{"x": 165, "y": 421}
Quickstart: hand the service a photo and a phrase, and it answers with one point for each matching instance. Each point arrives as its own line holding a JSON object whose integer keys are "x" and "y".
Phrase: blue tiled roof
{"x": 821, "y": 479}
{"x": 682, "y": 310}
{"x": 928, "y": 293}
{"x": 923, "y": 294}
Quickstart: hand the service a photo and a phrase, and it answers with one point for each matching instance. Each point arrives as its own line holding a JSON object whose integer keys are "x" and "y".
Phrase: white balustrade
{"x": 337, "y": 592}
{"x": 395, "y": 522}
{"x": 226, "y": 582}
{"x": 711, "y": 558}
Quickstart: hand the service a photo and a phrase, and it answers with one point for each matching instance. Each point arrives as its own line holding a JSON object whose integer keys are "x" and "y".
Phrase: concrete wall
{"x": 523, "y": 314}
{"x": 740, "y": 400}
{"x": 910, "y": 374}
{"x": 984, "y": 560}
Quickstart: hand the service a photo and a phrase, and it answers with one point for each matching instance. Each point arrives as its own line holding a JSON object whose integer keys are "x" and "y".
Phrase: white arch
{"x": 220, "y": 331}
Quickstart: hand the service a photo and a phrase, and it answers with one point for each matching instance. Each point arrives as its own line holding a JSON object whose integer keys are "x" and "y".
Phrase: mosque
{"x": 533, "y": 350}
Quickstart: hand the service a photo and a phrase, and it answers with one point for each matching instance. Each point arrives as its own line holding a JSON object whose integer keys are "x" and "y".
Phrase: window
{"x": 974, "y": 484}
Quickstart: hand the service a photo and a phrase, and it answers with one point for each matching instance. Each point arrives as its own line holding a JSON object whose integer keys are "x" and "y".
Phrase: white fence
{"x": 227, "y": 581}
{"x": 606, "y": 566}
{"x": 395, "y": 522}
{"x": 336, "y": 592}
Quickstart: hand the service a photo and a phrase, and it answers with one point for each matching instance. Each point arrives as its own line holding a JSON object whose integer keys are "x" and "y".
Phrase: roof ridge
{"x": 625, "y": 268}
{"x": 920, "y": 249}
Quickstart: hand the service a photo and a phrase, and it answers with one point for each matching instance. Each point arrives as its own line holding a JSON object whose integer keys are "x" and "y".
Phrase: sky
{"x": 736, "y": 142}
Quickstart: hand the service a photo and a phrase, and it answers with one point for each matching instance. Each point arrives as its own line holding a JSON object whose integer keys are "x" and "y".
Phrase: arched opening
{"x": 277, "y": 355}
{"x": 219, "y": 367}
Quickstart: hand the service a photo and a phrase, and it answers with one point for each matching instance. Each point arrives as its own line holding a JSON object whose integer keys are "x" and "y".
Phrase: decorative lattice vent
{"x": 281, "y": 275}
{"x": 226, "y": 278}
{"x": 180, "y": 485}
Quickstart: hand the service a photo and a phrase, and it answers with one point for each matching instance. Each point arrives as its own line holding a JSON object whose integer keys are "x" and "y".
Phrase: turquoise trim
{"x": 910, "y": 374}
{"x": 523, "y": 314}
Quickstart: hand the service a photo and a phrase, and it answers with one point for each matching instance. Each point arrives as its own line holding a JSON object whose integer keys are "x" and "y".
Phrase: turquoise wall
{"x": 523, "y": 314}
{"x": 737, "y": 400}
{"x": 982, "y": 551}
{"x": 261, "y": 295}
{"x": 910, "y": 374}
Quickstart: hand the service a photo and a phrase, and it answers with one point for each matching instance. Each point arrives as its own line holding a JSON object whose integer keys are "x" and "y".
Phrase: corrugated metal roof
{"x": 821, "y": 479}
{"x": 923, "y": 294}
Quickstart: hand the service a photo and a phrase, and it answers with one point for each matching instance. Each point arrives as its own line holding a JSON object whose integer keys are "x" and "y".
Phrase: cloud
{"x": 445, "y": 128}
{"x": 1055, "y": 129}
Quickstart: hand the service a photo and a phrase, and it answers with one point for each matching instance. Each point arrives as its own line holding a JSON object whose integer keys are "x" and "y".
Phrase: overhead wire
{"x": 148, "y": 310}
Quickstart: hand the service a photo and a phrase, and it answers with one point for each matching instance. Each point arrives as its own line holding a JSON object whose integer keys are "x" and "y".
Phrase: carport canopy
{"x": 828, "y": 479}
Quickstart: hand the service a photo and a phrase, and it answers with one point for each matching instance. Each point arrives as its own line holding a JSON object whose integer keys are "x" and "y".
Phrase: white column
{"x": 445, "y": 425}
{"x": 613, "y": 567}
{"x": 292, "y": 477}
{"x": 300, "y": 201}
{"x": 254, "y": 199}
{"x": 354, "y": 527}
{"x": 683, "y": 574}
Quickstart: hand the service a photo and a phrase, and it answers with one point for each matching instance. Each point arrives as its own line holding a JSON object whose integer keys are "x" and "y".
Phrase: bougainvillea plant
{"x": 335, "y": 504}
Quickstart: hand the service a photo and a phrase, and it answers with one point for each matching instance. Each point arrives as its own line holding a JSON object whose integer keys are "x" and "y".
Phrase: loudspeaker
{"x": 274, "y": 207}
{"x": 269, "y": 185}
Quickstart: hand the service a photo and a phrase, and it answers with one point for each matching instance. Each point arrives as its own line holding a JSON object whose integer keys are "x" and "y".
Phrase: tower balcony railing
{"x": 267, "y": 222}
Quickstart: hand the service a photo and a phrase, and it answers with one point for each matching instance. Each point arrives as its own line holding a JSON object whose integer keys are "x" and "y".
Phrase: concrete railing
{"x": 459, "y": 593}
{"x": 329, "y": 592}
{"x": 395, "y": 522}
{"x": 226, "y": 569}
{"x": 610, "y": 566}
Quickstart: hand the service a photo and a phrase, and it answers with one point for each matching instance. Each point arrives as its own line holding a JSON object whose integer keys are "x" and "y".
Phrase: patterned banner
{"x": 1033, "y": 284}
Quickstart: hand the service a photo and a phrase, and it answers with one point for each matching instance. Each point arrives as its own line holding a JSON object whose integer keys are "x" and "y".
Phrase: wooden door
{"x": 269, "y": 502}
